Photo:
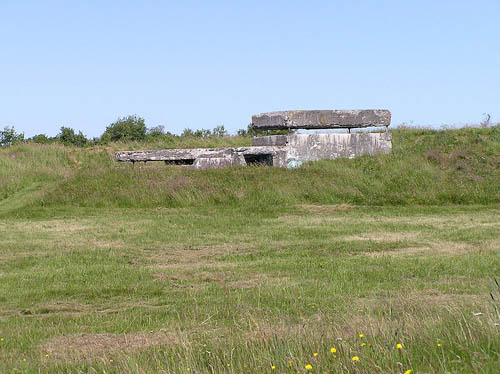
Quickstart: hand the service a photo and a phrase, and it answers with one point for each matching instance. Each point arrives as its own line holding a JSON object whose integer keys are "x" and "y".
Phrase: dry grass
{"x": 90, "y": 347}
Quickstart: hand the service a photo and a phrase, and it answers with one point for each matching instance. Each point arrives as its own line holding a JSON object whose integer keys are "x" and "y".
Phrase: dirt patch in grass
{"x": 59, "y": 308}
{"x": 384, "y": 236}
{"x": 326, "y": 208}
{"x": 195, "y": 258}
{"x": 54, "y": 226}
{"x": 259, "y": 280}
{"x": 93, "y": 346}
{"x": 326, "y": 214}
{"x": 306, "y": 222}
{"x": 435, "y": 248}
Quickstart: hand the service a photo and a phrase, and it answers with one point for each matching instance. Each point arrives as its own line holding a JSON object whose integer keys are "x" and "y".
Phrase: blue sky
{"x": 206, "y": 63}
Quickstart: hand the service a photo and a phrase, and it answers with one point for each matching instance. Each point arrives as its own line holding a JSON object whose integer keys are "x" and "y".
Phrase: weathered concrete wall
{"x": 271, "y": 140}
{"x": 302, "y": 148}
{"x": 321, "y": 119}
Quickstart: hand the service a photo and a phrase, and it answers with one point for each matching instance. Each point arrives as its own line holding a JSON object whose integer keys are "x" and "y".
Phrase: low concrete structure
{"x": 290, "y": 150}
{"x": 206, "y": 158}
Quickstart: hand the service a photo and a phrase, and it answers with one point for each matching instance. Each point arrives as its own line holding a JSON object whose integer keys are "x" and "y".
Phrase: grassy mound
{"x": 452, "y": 166}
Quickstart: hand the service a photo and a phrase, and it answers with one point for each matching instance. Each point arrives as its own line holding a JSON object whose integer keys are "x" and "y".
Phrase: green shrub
{"x": 67, "y": 136}
{"x": 8, "y": 136}
{"x": 218, "y": 131}
{"x": 41, "y": 139}
{"x": 131, "y": 128}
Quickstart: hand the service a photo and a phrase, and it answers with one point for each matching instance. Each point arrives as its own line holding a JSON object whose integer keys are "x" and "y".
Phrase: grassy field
{"x": 386, "y": 261}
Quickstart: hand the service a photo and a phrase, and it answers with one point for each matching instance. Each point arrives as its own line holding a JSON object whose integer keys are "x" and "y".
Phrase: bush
{"x": 67, "y": 136}
{"x": 158, "y": 132}
{"x": 41, "y": 139}
{"x": 126, "y": 128}
{"x": 8, "y": 136}
{"x": 250, "y": 131}
{"x": 219, "y": 131}
{"x": 203, "y": 133}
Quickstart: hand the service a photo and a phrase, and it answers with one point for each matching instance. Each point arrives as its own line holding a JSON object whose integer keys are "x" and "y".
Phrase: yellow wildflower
{"x": 408, "y": 371}
{"x": 47, "y": 355}
{"x": 228, "y": 365}
{"x": 363, "y": 344}
{"x": 361, "y": 336}
{"x": 308, "y": 367}
{"x": 273, "y": 367}
{"x": 399, "y": 346}
{"x": 110, "y": 360}
{"x": 355, "y": 358}
{"x": 290, "y": 363}
{"x": 333, "y": 350}
{"x": 439, "y": 344}
{"x": 315, "y": 354}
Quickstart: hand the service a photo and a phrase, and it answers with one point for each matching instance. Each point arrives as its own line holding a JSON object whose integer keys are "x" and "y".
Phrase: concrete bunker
{"x": 290, "y": 150}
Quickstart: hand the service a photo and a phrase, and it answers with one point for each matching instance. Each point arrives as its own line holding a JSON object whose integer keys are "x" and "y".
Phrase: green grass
{"x": 105, "y": 268}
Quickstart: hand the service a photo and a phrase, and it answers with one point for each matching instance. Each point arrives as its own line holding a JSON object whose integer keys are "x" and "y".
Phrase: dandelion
{"x": 315, "y": 354}
{"x": 408, "y": 371}
{"x": 273, "y": 367}
{"x": 333, "y": 350}
{"x": 399, "y": 346}
{"x": 355, "y": 359}
{"x": 1, "y": 339}
{"x": 228, "y": 365}
{"x": 308, "y": 367}
{"x": 111, "y": 360}
{"x": 363, "y": 344}
{"x": 47, "y": 355}
{"x": 289, "y": 363}
{"x": 439, "y": 345}
{"x": 361, "y": 336}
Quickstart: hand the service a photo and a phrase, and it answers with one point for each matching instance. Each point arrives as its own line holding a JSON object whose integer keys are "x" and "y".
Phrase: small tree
{"x": 8, "y": 136}
{"x": 126, "y": 128}
{"x": 219, "y": 131}
{"x": 156, "y": 132}
{"x": 203, "y": 133}
{"x": 187, "y": 132}
{"x": 251, "y": 131}
{"x": 68, "y": 136}
{"x": 41, "y": 139}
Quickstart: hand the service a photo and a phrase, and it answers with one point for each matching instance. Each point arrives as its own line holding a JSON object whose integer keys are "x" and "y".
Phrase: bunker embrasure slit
{"x": 184, "y": 161}
{"x": 265, "y": 159}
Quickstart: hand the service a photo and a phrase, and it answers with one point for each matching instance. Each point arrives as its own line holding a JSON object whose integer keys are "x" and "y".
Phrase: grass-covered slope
{"x": 426, "y": 167}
